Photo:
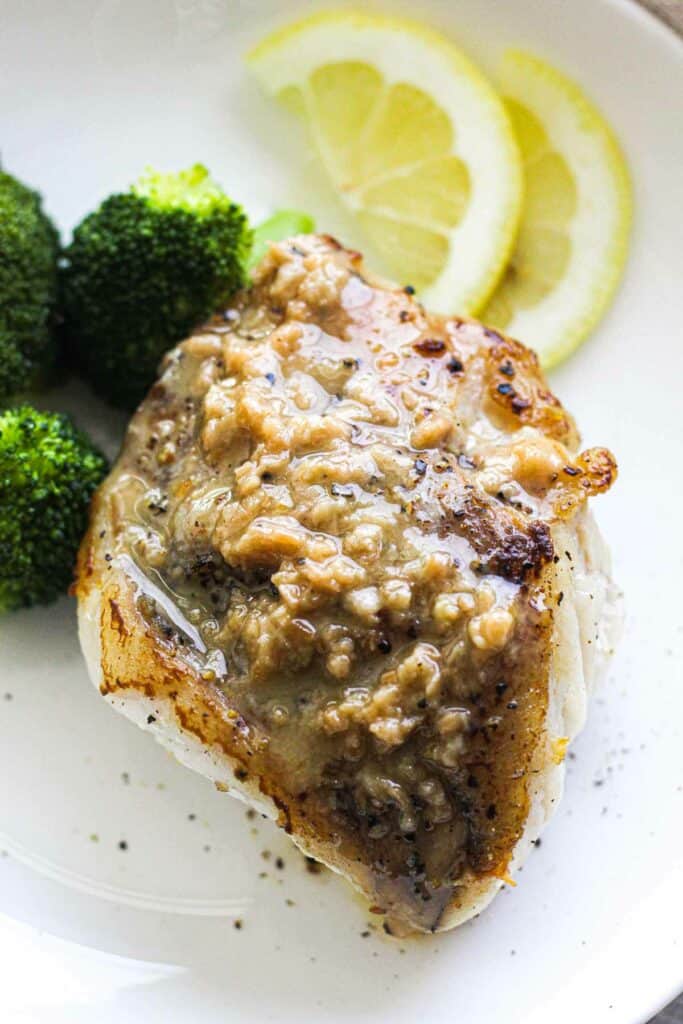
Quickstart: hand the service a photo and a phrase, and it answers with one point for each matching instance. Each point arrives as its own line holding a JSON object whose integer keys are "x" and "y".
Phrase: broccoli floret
{"x": 48, "y": 472}
{"x": 143, "y": 270}
{"x": 29, "y": 249}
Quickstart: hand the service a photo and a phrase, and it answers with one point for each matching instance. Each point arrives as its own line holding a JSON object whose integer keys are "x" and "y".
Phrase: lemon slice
{"x": 573, "y": 235}
{"x": 414, "y": 140}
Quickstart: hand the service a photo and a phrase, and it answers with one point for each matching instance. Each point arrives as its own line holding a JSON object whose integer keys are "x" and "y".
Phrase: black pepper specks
{"x": 519, "y": 404}
{"x": 430, "y": 346}
{"x": 505, "y": 389}
{"x": 420, "y": 467}
{"x": 493, "y": 335}
{"x": 342, "y": 490}
{"x": 454, "y": 365}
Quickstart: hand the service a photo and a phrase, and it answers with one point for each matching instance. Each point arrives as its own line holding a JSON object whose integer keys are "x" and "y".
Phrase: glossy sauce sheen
{"x": 338, "y": 511}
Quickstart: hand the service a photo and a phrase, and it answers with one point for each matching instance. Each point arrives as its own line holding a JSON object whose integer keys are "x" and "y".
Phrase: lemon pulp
{"x": 415, "y": 141}
{"x": 572, "y": 241}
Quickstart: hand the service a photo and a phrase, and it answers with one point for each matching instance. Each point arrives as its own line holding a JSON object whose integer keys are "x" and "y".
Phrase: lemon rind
{"x": 596, "y": 299}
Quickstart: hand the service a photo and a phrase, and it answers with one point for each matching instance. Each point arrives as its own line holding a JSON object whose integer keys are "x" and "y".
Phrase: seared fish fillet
{"x": 344, "y": 568}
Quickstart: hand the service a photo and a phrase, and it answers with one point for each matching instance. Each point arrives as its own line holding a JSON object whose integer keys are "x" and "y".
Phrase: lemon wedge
{"x": 415, "y": 141}
{"x": 573, "y": 236}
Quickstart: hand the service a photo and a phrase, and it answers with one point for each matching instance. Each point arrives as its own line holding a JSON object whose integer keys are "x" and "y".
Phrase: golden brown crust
{"x": 492, "y": 783}
{"x": 477, "y": 463}
{"x": 518, "y": 391}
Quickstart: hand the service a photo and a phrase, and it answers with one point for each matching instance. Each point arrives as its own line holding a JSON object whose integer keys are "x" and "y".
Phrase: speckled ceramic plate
{"x": 123, "y": 876}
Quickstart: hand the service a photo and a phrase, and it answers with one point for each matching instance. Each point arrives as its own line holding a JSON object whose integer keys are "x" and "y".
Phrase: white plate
{"x": 88, "y": 94}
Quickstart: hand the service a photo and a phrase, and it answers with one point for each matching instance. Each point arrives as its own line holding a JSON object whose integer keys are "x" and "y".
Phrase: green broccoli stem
{"x": 283, "y": 224}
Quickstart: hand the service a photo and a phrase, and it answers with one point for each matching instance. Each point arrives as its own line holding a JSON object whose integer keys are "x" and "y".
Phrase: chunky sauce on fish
{"x": 338, "y": 510}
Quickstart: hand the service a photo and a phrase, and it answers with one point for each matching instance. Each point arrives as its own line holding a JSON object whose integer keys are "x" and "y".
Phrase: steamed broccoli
{"x": 48, "y": 472}
{"x": 144, "y": 269}
{"x": 29, "y": 247}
